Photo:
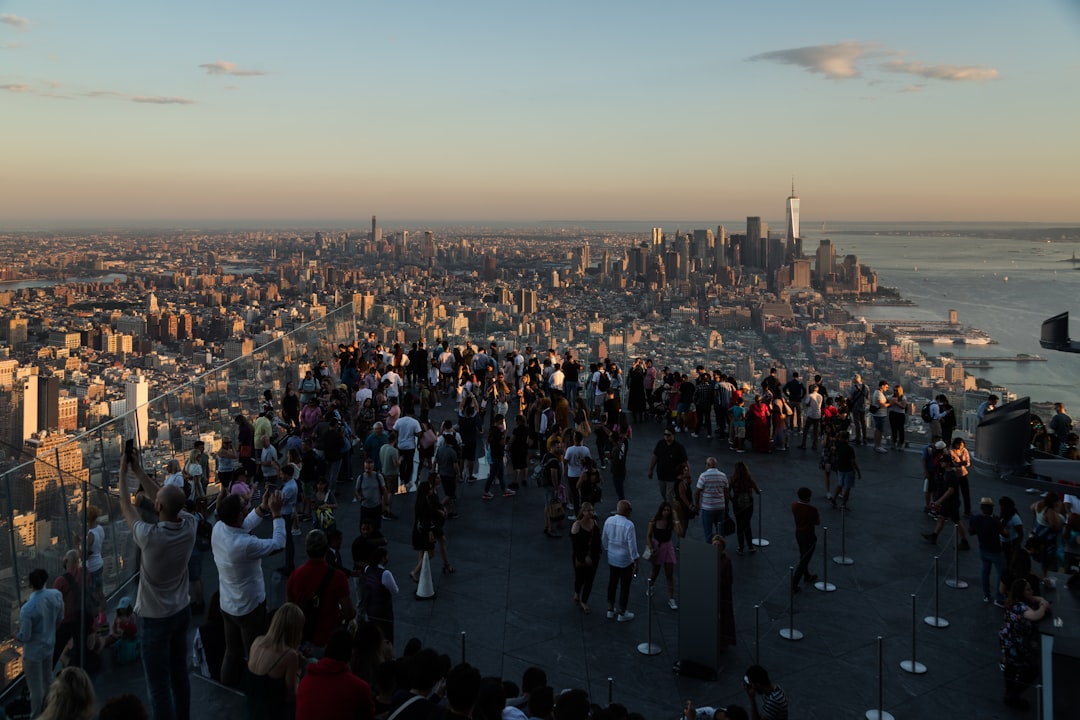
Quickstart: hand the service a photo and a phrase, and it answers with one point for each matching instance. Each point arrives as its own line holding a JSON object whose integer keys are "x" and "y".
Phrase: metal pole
{"x": 647, "y": 647}
{"x": 879, "y": 713}
{"x": 842, "y": 558}
{"x": 955, "y": 582}
{"x": 610, "y": 690}
{"x": 936, "y": 620}
{"x": 824, "y": 585}
{"x": 913, "y": 666}
{"x": 462, "y": 646}
{"x": 790, "y": 633}
{"x": 759, "y": 541}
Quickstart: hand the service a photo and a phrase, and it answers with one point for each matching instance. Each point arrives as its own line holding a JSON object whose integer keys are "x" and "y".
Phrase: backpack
{"x": 373, "y": 595}
{"x": 925, "y": 413}
{"x": 604, "y": 382}
{"x": 312, "y": 606}
{"x": 540, "y": 475}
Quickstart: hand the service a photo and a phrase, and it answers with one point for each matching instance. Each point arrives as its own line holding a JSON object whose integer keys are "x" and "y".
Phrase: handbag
{"x": 728, "y": 526}
{"x": 647, "y": 555}
{"x": 556, "y": 512}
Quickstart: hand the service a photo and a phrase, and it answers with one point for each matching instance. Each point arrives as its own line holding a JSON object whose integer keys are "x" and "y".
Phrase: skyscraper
{"x": 136, "y": 426}
{"x": 792, "y": 215}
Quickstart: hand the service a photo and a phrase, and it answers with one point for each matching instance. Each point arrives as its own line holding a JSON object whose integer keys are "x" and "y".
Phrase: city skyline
{"x": 271, "y": 114}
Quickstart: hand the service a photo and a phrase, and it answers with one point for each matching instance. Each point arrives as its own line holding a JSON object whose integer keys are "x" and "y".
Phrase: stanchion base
{"x": 843, "y": 560}
{"x": 878, "y": 715}
{"x": 824, "y": 586}
{"x": 913, "y": 667}
{"x": 956, "y": 584}
{"x": 938, "y": 622}
{"x": 648, "y": 648}
{"x": 759, "y": 542}
{"x": 790, "y": 634}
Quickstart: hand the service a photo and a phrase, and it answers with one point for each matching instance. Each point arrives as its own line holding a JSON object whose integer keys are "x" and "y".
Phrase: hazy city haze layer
{"x": 203, "y": 112}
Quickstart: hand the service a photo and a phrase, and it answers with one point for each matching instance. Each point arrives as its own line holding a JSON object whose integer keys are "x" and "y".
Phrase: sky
{"x": 335, "y": 110}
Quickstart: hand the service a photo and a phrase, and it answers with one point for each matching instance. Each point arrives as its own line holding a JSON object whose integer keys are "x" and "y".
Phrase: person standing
{"x": 711, "y": 497}
{"x": 574, "y": 464}
{"x": 860, "y": 393}
{"x": 408, "y": 430}
{"x": 38, "y": 620}
{"x": 807, "y": 519}
{"x": 289, "y": 493}
{"x": 326, "y": 587}
{"x": 742, "y": 488}
{"x": 667, "y": 457}
{"x": 990, "y": 532}
{"x": 162, "y": 605}
{"x": 619, "y": 539}
{"x": 238, "y": 555}
{"x": 812, "y": 405}
{"x": 879, "y": 413}
{"x": 660, "y": 540}
{"x": 1018, "y": 661}
{"x": 585, "y": 544}
{"x": 1060, "y": 426}
{"x": 847, "y": 470}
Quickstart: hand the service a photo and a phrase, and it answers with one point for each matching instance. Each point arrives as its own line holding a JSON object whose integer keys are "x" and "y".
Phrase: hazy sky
{"x": 593, "y": 109}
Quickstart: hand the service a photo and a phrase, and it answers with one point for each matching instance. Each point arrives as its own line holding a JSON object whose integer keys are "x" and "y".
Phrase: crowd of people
{"x": 370, "y": 428}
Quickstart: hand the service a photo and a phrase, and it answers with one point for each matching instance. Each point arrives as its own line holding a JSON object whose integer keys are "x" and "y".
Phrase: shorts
{"x": 740, "y": 431}
{"x": 950, "y": 511}
{"x": 880, "y": 422}
{"x": 684, "y": 407}
{"x": 845, "y": 479}
{"x": 391, "y": 483}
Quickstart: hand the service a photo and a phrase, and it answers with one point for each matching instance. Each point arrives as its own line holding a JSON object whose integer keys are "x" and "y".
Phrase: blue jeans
{"x": 712, "y": 523}
{"x": 495, "y": 473}
{"x": 570, "y": 389}
{"x": 164, "y": 659}
{"x": 997, "y": 560}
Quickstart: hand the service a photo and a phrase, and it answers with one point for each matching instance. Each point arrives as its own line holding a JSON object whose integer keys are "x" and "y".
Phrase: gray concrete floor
{"x": 509, "y": 604}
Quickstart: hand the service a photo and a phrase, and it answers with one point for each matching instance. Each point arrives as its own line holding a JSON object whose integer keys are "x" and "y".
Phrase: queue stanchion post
{"x": 842, "y": 558}
{"x": 879, "y": 713}
{"x": 462, "y": 646}
{"x": 913, "y": 666}
{"x": 757, "y": 634}
{"x": 790, "y": 633}
{"x": 610, "y": 690}
{"x": 823, "y": 584}
{"x": 936, "y": 620}
{"x": 759, "y": 541}
{"x": 955, "y": 582}
{"x": 648, "y": 647}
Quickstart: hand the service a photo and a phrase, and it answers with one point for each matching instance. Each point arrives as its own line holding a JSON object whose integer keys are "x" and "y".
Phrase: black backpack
{"x": 925, "y": 414}
{"x": 312, "y": 606}
{"x": 604, "y": 381}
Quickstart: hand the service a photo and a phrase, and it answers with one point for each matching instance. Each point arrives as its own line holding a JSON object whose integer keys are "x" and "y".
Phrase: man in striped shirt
{"x": 767, "y": 699}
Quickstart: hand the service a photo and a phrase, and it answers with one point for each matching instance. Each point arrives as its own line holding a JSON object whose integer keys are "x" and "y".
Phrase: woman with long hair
{"x": 1013, "y": 542}
{"x": 1045, "y": 532}
{"x": 424, "y": 530}
{"x": 274, "y": 665}
{"x": 469, "y": 422}
{"x": 245, "y": 444}
{"x": 1019, "y": 659}
{"x": 586, "y": 549}
{"x": 743, "y": 487}
{"x": 683, "y": 495}
{"x": 758, "y": 415}
{"x": 290, "y": 406}
{"x": 659, "y": 538}
{"x": 71, "y": 697}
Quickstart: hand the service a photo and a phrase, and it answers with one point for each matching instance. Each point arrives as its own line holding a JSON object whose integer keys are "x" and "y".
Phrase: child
{"x": 738, "y": 425}
{"x": 125, "y": 633}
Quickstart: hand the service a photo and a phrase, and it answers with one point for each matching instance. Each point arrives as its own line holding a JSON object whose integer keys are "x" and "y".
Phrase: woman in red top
{"x": 758, "y": 423}
{"x": 329, "y": 690}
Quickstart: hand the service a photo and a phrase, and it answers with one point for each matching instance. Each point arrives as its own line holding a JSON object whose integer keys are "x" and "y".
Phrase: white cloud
{"x": 837, "y": 61}
{"x": 19, "y": 23}
{"x": 952, "y": 73}
{"x": 224, "y": 67}
{"x": 162, "y": 100}
{"x": 17, "y": 88}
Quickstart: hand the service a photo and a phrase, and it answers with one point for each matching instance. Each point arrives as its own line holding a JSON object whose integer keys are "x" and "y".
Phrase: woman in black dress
{"x": 427, "y": 525}
{"x": 636, "y": 385}
{"x": 585, "y": 542}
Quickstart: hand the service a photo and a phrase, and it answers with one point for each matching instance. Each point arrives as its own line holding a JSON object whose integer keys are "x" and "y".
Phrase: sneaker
{"x": 986, "y": 598}
{"x": 930, "y": 538}
{"x": 626, "y": 616}
{"x": 739, "y": 551}
{"x": 1000, "y": 603}
{"x": 509, "y": 493}
{"x": 610, "y": 614}
{"x": 1050, "y": 582}
{"x": 296, "y": 531}
{"x": 831, "y": 499}
{"x": 693, "y": 435}
{"x": 487, "y": 496}
{"x": 672, "y": 604}
{"x": 880, "y": 450}
{"x": 753, "y": 548}
{"x": 571, "y": 517}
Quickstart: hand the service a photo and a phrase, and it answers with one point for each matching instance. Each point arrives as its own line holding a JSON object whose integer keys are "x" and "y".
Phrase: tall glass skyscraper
{"x": 792, "y": 215}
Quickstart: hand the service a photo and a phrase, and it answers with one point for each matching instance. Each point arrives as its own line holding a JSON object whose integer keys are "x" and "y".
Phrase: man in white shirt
{"x": 407, "y": 428}
{"x": 711, "y": 497}
{"x": 619, "y": 539}
{"x": 812, "y": 414}
{"x": 239, "y": 555}
{"x": 574, "y": 462}
{"x": 163, "y": 602}
{"x": 879, "y": 407}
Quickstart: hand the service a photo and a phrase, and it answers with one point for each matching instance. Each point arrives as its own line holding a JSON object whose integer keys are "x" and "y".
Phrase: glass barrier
{"x": 47, "y": 500}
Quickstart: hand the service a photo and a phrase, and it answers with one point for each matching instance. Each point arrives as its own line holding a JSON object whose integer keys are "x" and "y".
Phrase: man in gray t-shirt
{"x": 372, "y": 493}
{"x": 163, "y": 600}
